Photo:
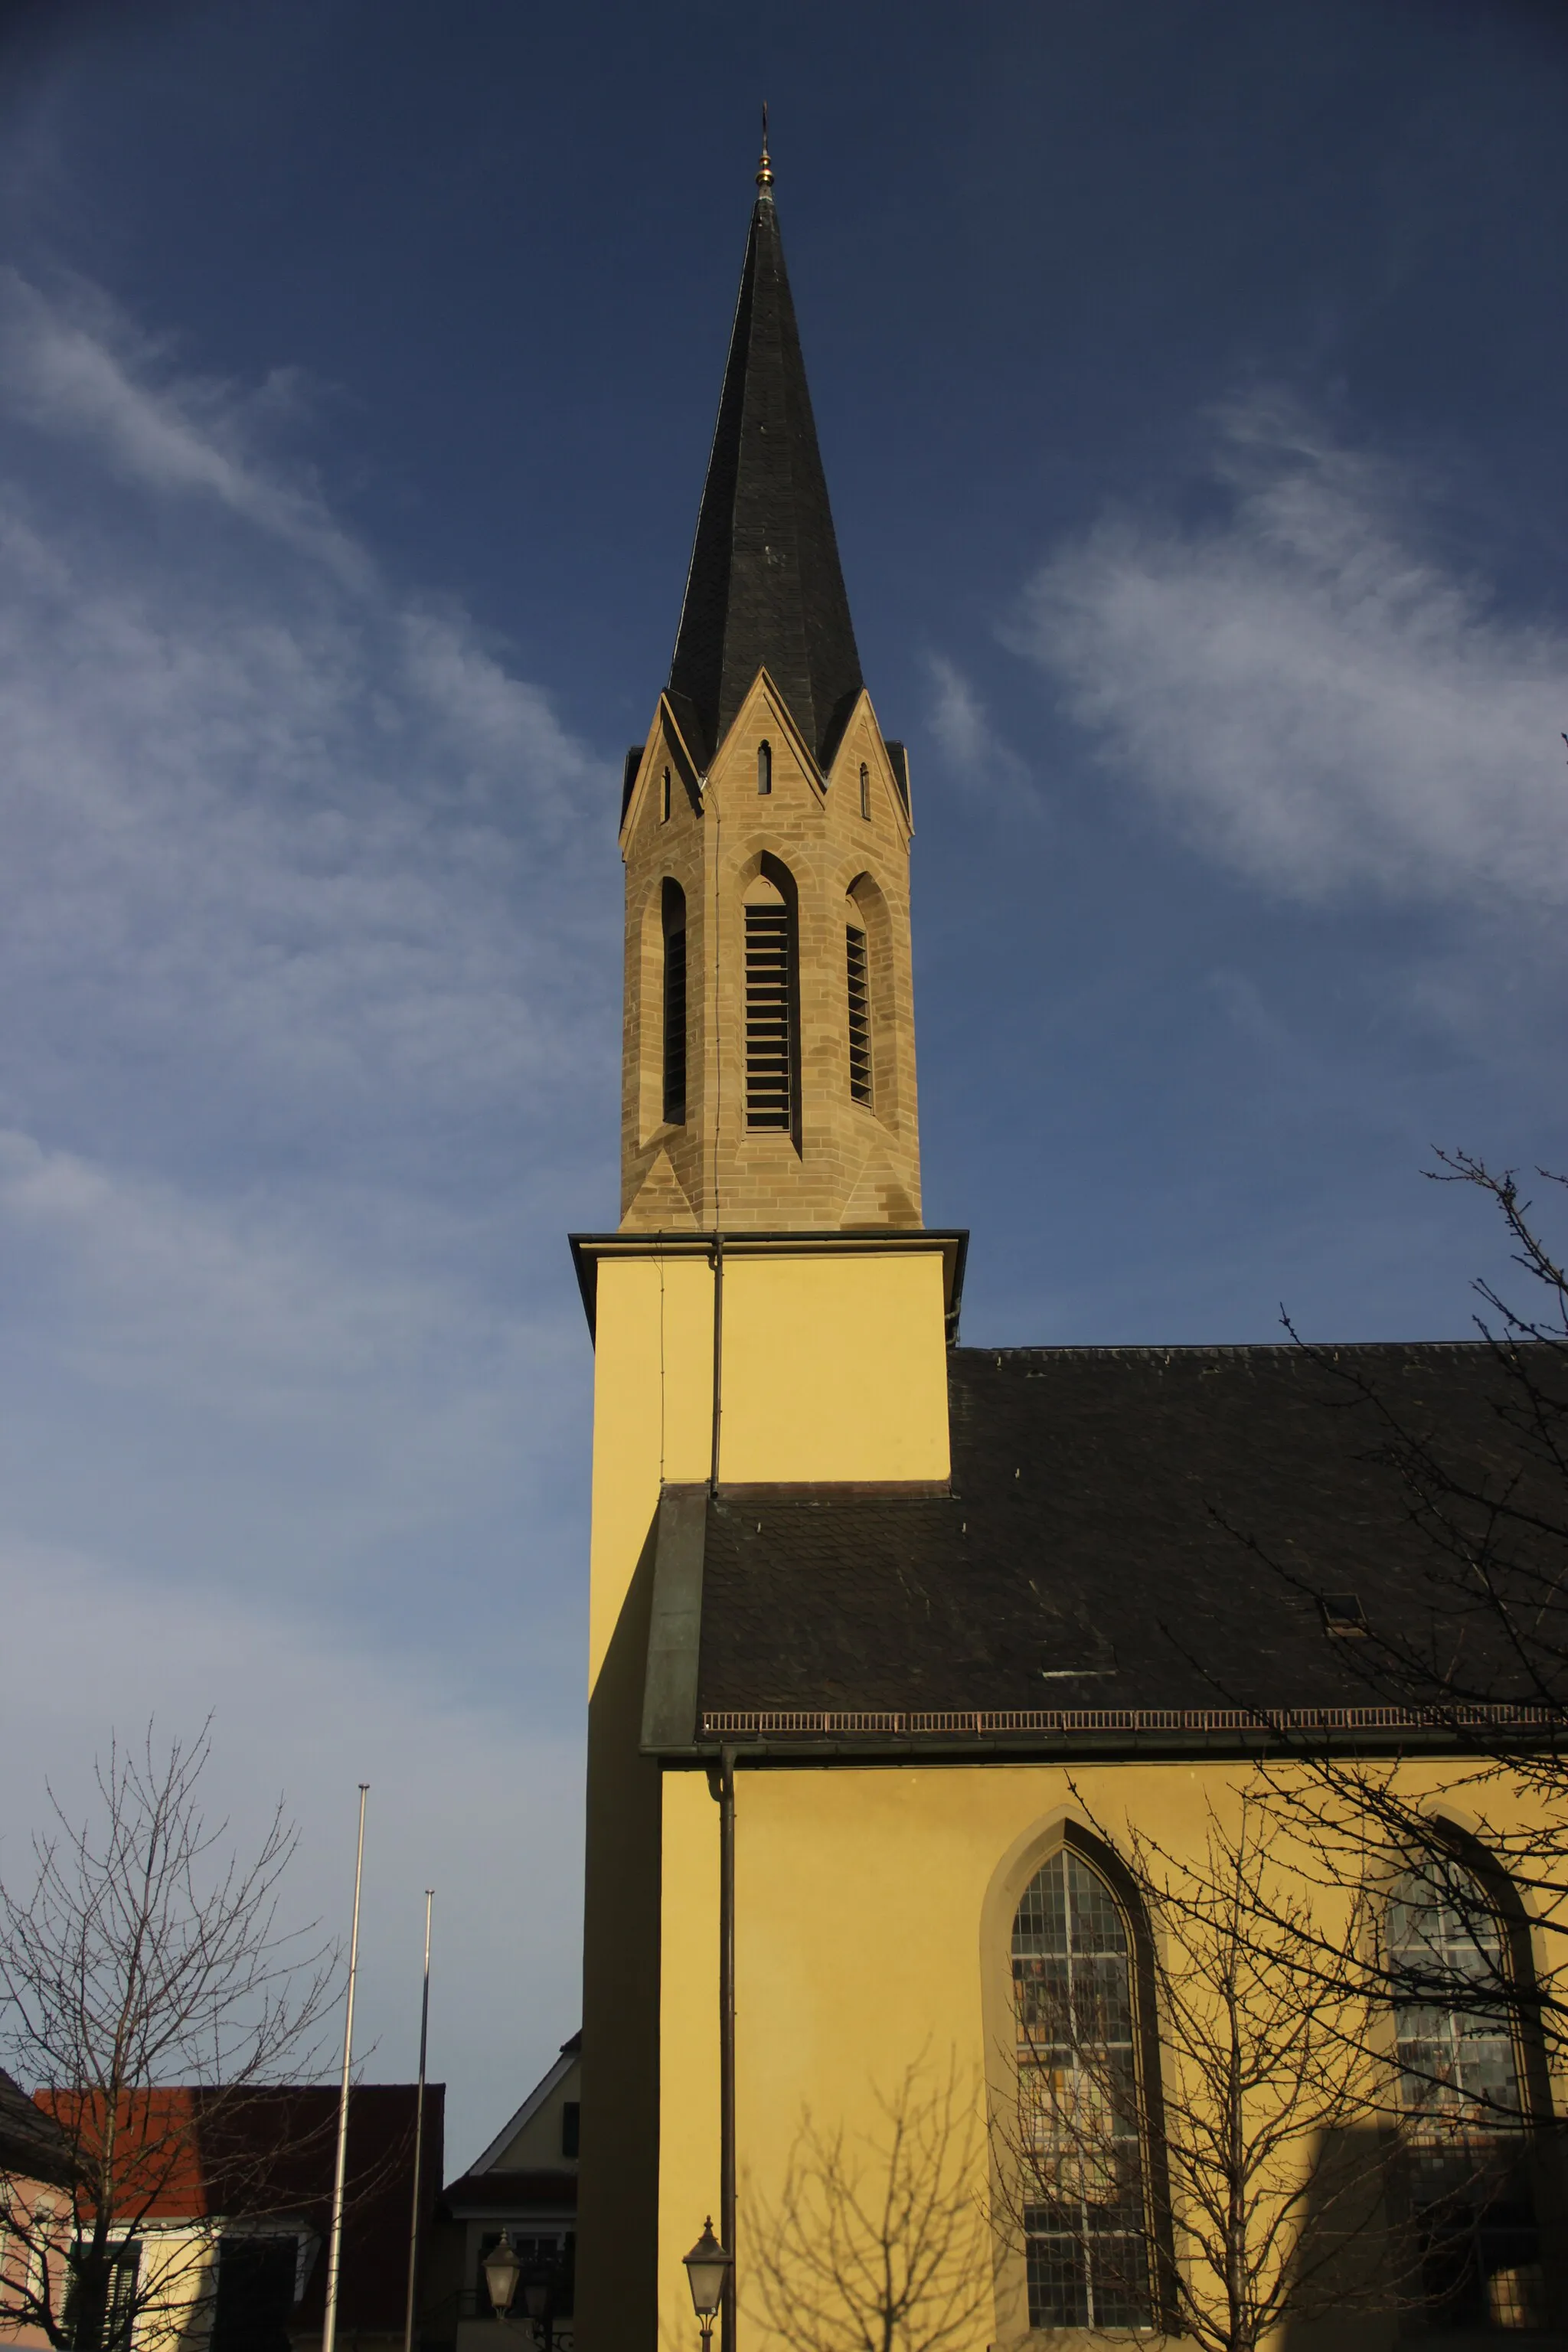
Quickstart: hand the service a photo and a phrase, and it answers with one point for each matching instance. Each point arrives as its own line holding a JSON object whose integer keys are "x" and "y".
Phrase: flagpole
{"x": 418, "y": 2133}
{"x": 335, "y": 2240}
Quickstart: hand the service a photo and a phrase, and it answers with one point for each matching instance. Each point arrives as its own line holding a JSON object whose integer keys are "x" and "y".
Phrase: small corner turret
{"x": 769, "y": 1066}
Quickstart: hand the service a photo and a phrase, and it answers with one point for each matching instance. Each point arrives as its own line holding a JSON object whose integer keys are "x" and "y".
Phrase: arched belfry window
{"x": 858, "y": 994}
{"x": 1082, "y": 2128}
{"x": 1455, "y": 1974}
{"x": 765, "y": 768}
{"x": 672, "y": 911}
{"x": 870, "y": 999}
{"x": 864, "y": 790}
{"x": 769, "y": 1007}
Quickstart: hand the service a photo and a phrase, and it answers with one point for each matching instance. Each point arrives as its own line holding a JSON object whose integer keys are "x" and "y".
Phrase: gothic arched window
{"x": 765, "y": 768}
{"x": 772, "y": 1088}
{"x": 859, "y": 983}
{"x": 672, "y": 910}
{"x": 1454, "y": 1973}
{"x": 1081, "y": 2129}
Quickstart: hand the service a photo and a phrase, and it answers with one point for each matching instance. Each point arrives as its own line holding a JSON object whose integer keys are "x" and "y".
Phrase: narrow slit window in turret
{"x": 864, "y": 790}
{"x": 765, "y": 768}
{"x": 859, "y": 1015}
{"x": 768, "y": 1015}
{"x": 674, "y": 912}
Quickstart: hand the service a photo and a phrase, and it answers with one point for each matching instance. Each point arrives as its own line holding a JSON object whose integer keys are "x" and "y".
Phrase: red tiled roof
{"x": 199, "y": 2154}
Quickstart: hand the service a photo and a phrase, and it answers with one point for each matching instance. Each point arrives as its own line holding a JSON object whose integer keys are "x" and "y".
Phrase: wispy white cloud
{"x": 309, "y": 960}
{"x": 76, "y": 366}
{"x": 317, "y": 834}
{"x": 1314, "y": 691}
{"x": 975, "y": 753}
{"x": 242, "y": 1297}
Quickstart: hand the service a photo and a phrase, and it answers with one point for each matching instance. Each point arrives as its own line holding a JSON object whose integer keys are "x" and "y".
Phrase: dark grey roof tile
{"x": 765, "y": 588}
{"x": 1090, "y": 1553}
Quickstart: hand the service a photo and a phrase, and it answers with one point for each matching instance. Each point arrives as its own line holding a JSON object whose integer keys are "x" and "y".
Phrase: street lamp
{"x": 502, "y": 2270}
{"x": 536, "y": 2297}
{"x": 707, "y": 2267}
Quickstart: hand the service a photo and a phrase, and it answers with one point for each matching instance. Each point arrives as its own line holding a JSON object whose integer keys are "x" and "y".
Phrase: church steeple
{"x": 765, "y": 590}
{"x": 769, "y": 1072}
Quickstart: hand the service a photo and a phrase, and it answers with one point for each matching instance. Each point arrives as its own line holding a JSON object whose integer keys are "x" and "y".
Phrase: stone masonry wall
{"x": 853, "y": 1164}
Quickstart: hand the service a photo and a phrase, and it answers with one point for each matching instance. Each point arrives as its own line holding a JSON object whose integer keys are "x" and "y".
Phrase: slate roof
{"x": 506, "y": 2192}
{"x": 1089, "y": 1555}
{"x": 764, "y": 588}
{"x": 32, "y": 2145}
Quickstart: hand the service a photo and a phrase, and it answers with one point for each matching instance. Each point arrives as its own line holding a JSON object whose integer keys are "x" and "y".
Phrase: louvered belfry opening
{"x": 859, "y": 1015}
{"x": 769, "y": 1055}
{"x": 673, "y": 910}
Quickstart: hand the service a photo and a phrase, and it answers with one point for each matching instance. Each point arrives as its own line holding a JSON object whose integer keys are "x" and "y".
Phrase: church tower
{"x": 769, "y": 1077}
{"x": 770, "y": 1317}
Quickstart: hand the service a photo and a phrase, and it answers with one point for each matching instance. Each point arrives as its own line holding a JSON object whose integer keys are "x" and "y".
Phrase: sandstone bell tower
{"x": 769, "y": 1075}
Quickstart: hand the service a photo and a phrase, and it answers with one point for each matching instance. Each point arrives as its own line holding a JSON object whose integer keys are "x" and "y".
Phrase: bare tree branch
{"x": 878, "y": 2241}
{"x": 1274, "y": 2111}
{"x": 146, "y": 1986}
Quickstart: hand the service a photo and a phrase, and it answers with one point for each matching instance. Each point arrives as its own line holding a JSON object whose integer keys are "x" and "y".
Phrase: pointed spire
{"x": 766, "y": 587}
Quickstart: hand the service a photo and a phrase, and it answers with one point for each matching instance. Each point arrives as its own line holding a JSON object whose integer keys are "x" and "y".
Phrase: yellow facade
{"x": 873, "y": 1908}
{"x": 873, "y": 1902}
{"x": 833, "y": 1369}
{"x": 831, "y": 1354}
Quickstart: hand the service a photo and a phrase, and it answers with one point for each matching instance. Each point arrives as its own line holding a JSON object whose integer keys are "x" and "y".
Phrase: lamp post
{"x": 502, "y": 2270}
{"x": 536, "y": 2301}
{"x": 707, "y": 2268}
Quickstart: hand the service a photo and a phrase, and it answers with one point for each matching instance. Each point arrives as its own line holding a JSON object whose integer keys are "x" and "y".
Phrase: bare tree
{"x": 1477, "y": 1664}
{"x": 878, "y": 2241}
{"x": 146, "y": 1984}
{"x": 1250, "y": 2188}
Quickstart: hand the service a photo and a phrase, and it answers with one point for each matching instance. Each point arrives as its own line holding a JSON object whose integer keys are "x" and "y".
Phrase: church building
{"x": 890, "y": 1637}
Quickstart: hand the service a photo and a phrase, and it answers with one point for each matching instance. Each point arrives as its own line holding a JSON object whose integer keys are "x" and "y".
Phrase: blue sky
{"x": 1189, "y": 382}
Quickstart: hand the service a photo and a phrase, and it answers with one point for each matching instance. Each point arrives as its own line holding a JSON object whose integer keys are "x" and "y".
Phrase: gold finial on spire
{"x": 765, "y": 169}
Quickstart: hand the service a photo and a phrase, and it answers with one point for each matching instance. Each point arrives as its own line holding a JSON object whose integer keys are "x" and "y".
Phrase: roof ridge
{"x": 1294, "y": 1347}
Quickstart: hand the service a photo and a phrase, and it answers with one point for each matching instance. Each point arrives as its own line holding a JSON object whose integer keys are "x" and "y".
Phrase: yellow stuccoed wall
{"x": 834, "y": 1368}
{"x": 653, "y": 1403}
{"x": 873, "y": 1907}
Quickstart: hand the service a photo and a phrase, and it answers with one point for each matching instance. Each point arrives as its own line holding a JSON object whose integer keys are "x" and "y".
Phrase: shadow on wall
{"x": 879, "y": 2236}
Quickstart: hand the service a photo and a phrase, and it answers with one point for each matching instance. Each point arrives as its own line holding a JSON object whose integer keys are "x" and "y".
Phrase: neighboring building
{"x": 526, "y": 2184}
{"x": 224, "y": 2203}
{"x": 36, "y": 2175}
{"x": 930, "y": 1612}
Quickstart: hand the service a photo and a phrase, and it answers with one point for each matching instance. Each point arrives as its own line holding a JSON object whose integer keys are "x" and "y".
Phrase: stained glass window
{"x": 1080, "y": 2129}
{"x": 1468, "y": 2183}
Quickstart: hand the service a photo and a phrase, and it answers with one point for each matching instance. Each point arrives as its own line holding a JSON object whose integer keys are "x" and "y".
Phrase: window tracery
{"x": 769, "y": 1007}
{"x": 673, "y": 915}
{"x": 1082, "y": 2123}
{"x": 1466, "y": 2124}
